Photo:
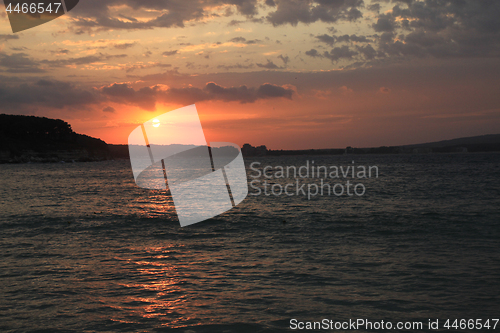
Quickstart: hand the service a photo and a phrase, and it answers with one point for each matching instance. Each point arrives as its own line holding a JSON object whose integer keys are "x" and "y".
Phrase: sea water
{"x": 84, "y": 249}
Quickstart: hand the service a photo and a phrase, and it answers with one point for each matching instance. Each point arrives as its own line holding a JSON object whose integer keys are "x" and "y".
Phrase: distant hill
{"x": 483, "y": 143}
{"x": 473, "y": 140}
{"x": 40, "y": 139}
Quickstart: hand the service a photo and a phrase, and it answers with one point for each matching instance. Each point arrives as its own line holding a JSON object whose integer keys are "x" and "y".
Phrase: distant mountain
{"x": 40, "y": 139}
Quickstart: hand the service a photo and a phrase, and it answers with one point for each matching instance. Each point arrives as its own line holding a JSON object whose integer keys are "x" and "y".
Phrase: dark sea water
{"x": 83, "y": 249}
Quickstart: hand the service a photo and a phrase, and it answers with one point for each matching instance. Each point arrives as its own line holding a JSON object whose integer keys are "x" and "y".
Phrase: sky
{"x": 287, "y": 74}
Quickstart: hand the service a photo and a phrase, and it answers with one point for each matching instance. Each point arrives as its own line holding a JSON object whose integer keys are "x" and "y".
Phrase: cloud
{"x": 109, "y": 109}
{"x": 353, "y": 38}
{"x": 313, "y": 53}
{"x": 238, "y": 40}
{"x": 169, "y": 53}
{"x": 268, "y": 65}
{"x": 268, "y": 90}
{"x": 420, "y": 29}
{"x": 330, "y": 40}
{"x": 385, "y": 23}
{"x": 45, "y": 93}
{"x": 374, "y": 7}
{"x": 98, "y": 14}
{"x": 367, "y": 51}
{"x": 285, "y": 59}
{"x": 99, "y": 58}
{"x": 326, "y": 39}
{"x": 147, "y": 97}
{"x": 131, "y": 68}
{"x": 19, "y": 63}
{"x": 60, "y": 51}
{"x": 337, "y": 53}
{"x": 344, "y": 90}
{"x": 440, "y": 29}
{"x": 4, "y": 37}
{"x": 234, "y": 23}
{"x": 244, "y": 40}
{"x": 309, "y": 11}
{"x": 124, "y": 46}
{"x": 236, "y": 66}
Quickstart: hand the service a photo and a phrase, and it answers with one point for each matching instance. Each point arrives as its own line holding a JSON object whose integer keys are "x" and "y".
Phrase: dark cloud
{"x": 124, "y": 46}
{"x": 330, "y": 40}
{"x": 98, "y": 14}
{"x": 268, "y": 65}
{"x": 385, "y": 23}
{"x": 131, "y": 19}
{"x": 235, "y": 23}
{"x": 337, "y": 53}
{"x": 245, "y": 7}
{"x": 19, "y": 63}
{"x": 238, "y": 40}
{"x": 416, "y": 28}
{"x": 4, "y": 37}
{"x": 313, "y": 53}
{"x": 374, "y": 7}
{"x": 357, "y": 39}
{"x": 236, "y": 66}
{"x": 367, "y": 51}
{"x": 147, "y": 97}
{"x": 169, "y": 53}
{"x": 244, "y": 40}
{"x": 441, "y": 28}
{"x": 109, "y": 109}
{"x": 268, "y": 90}
{"x": 241, "y": 93}
{"x": 309, "y": 11}
{"x": 45, "y": 93}
{"x": 60, "y": 51}
{"x": 285, "y": 59}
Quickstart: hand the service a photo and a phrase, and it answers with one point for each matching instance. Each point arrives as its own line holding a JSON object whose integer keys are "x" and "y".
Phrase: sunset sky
{"x": 288, "y": 74}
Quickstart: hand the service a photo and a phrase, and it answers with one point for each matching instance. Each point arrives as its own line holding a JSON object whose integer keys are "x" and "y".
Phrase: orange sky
{"x": 287, "y": 74}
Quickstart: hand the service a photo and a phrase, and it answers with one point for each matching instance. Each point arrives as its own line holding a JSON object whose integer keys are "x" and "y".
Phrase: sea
{"x": 83, "y": 249}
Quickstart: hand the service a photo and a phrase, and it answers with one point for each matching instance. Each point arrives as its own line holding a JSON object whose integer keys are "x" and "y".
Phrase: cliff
{"x": 40, "y": 139}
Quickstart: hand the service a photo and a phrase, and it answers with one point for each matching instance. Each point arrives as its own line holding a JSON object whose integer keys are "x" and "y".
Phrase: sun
{"x": 156, "y": 123}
